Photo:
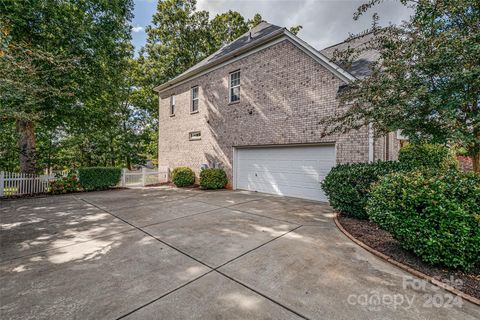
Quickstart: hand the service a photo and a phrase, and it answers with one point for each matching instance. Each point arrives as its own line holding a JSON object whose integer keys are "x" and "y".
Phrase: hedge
{"x": 183, "y": 176}
{"x": 213, "y": 178}
{"x": 347, "y": 185}
{"x": 435, "y": 215}
{"x": 98, "y": 178}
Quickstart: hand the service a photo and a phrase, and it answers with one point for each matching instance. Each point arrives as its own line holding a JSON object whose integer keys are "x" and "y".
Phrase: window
{"x": 234, "y": 87}
{"x": 172, "y": 105}
{"x": 194, "y": 107}
{"x": 195, "y": 135}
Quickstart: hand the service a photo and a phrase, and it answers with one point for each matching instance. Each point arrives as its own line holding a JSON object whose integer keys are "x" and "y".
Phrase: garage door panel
{"x": 289, "y": 171}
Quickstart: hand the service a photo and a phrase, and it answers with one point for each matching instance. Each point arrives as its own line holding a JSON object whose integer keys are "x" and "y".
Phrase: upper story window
{"x": 194, "y": 105}
{"x": 234, "y": 87}
{"x": 172, "y": 105}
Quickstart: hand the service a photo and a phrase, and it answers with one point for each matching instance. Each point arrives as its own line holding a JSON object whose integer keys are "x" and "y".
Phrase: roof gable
{"x": 262, "y": 30}
{"x": 259, "y": 37}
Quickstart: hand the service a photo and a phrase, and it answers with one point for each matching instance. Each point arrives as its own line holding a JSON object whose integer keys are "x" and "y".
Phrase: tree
{"x": 56, "y": 60}
{"x": 177, "y": 39}
{"x": 226, "y": 27}
{"x": 295, "y": 30}
{"x": 427, "y": 80}
{"x": 181, "y": 36}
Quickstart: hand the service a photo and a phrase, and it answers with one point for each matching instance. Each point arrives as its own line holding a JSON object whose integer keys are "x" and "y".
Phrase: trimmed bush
{"x": 348, "y": 185}
{"x": 213, "y": 178}
{"x": 434, "y": 215}
{"x": 183, "y": 176}
{"x": 427, "y": 155}
{"x": 99, "y": 178}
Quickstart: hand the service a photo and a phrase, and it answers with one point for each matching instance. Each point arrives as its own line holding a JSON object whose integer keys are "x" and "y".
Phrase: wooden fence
{"x": 14, "y": 183}
{"x": 144, "y": 177}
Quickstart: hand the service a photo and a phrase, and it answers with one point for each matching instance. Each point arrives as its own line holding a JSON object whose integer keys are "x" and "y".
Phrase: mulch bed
{"x": 382, "y": 241}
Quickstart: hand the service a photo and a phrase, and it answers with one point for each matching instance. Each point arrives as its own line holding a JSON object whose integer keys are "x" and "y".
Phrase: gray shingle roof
{"x": 262, "y": 30}
{"x": 360, "y": 66}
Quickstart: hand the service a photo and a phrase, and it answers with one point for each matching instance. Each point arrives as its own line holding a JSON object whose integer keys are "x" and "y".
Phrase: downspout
{"x": 371, "y": 143}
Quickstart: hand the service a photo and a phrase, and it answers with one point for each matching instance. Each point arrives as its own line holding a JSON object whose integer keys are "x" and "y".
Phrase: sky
{"x": 325, "y": 22}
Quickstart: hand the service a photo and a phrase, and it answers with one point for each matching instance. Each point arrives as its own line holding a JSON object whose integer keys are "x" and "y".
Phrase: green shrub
{"x": 434, "y": 215}
{"x": 183, "y": 176}
{"x": 213, "y": 178}
{"x": 427, "y": 155}
{"x": 99, "y": 178}
{"x": 63, "y": 184}
{"x": 347, "y": 185}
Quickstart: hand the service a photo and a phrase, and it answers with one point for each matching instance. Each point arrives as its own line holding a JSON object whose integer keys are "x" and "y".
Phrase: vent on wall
{"x": 195, "y": 135}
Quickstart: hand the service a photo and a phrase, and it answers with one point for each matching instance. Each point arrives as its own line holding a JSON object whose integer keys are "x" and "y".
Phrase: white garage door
{"x": 288, "y": 171}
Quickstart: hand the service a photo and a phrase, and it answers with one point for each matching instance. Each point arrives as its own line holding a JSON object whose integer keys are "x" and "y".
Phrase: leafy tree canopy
{"x": 181, "y": 36}
{"x": 427, "y": 80}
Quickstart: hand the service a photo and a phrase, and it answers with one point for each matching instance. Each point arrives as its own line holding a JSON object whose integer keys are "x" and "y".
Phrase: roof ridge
{"x": 362, "y": 34}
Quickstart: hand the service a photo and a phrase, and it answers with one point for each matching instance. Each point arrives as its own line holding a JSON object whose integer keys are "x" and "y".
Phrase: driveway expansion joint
{"x": 261, "y": 294}
{"x": 247, "y": 273}
{"x": 215, "y": 269}
{"x": 257, "y": 247}
{"x": 164, "y": 295}
{"x": 204, "y": 264}
{"x": 250, "y": 213}
{"x": 152, "y": 236}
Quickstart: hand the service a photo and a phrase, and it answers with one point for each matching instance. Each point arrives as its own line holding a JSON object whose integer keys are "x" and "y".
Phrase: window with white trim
{"x": 194, "y": 105}
{"x": 234, "y": 87}
{"x": 172, "y": 105}
{"x": 195, "y": 135}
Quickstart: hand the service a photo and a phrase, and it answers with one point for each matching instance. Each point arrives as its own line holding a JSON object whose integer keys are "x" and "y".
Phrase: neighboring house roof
{"x": 262, "y": 35}
{"x": 360, "y": 67}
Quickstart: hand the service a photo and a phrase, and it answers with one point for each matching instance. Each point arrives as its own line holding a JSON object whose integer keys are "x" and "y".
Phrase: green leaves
{"x": 98, "y": 178}
{"x": 348, "y": 185}
{"x": 427, "y": 155}
{"x": 181, "y": 36}
{"x": 432, "y": 215}
{"x": 183, "y": 176}
{"x": 213, "y": 178}
{"x": 426, "y": 80}
{"x": 67, "y": 66}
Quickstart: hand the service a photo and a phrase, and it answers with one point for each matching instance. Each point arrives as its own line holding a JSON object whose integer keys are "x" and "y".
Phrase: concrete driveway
{"x": 162, "y": 253}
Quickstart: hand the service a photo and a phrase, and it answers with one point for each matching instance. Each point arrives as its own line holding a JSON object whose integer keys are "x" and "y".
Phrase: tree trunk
{"x": 26, "y": 145}
{"x": 476, "y": 162}
{"x": 112, "y": 153}
{"x": 129, "y": 163}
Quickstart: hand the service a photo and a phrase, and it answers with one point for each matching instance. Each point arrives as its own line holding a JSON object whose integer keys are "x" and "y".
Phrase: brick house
{"x": 254, "y": 108}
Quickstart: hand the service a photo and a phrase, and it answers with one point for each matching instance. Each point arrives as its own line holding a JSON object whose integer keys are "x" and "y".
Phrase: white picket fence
{"x": 144, "y": 177}
{"x": 14, "y": 183}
